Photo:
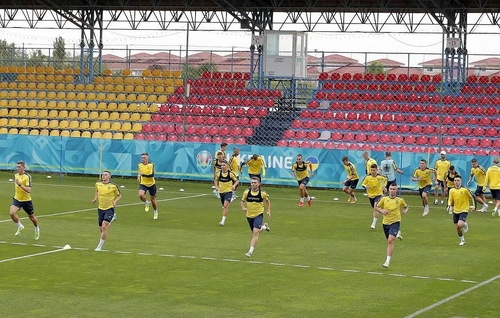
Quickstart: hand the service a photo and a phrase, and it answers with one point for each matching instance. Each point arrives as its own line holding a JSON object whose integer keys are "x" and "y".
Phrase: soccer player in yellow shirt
{"x": 375, "y": 187}
{"x": 368, "y": 162}
{"x": 352, "y": 180}
{"x": 234, "y": 166}
{"x": 458, "y": 202}
{"x": 255, "y": 164}
{"x": 300, "y": 170}
{"x": 480, "y": 174}
{"x": 252, "y": 204}
{"x": 108, "y": 194}
{"x": 493, "y": 181}
{"x": 441, "y": 166}
{"x": 22, "y": 199}
{"x": 225, "y": 182}
{"x": 146, "y": 179}
{"x": 217, "y": 162}
{"x": 422, "y": 174}
{"x": 449, "y": 178}
{"x": 391, "y": 207}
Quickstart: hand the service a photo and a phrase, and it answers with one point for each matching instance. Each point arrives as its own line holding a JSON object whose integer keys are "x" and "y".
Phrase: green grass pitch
{"x": 322, "y": 261}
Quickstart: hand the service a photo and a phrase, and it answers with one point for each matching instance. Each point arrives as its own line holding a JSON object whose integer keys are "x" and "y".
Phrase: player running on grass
{"x": 302, "y": 167}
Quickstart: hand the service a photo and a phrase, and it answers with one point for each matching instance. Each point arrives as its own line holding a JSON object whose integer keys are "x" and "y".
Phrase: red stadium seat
{"x": 410, "y": 139}
{"x": 422, "y": 140}
{"x": 348, "y": 136}
{"x": 336, "y": 136}
{"x": 313, "y": 134}
{"x": 447, "y": 141}
{"x": 317, "y": 144}
{"x": 282, "y": 143}
{"x": 294, "y": 144}
{"x": 329, "y": 145}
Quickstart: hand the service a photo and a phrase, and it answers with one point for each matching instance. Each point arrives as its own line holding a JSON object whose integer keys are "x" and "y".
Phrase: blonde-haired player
{"x": 458, "y": 202}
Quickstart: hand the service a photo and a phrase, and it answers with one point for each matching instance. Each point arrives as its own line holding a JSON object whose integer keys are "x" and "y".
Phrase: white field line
{"x": 30, "y": 255}
{"x": 232, "y": 260}
{"x": 94, "y": 208}
{"x": 426, "y": 309}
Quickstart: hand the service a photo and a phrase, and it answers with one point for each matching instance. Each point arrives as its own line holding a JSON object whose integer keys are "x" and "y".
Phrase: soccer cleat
{"x": 372, "y": 227}
{"x": 221, "y": 223}
{"x": 385, "y": 265}
{"x": 494, "y": 213}
{"x": 309, "y": 202}
{"x": 248, "y": 254}
{"x": 349, "y": 199}
{"x": 461, "y": 243}
{"x": 37, "y": 234}
{"x": 354, "y": 200}
{"x": 267, "y": 227}
{"x": 155, "y": 216}
{"x": 19, "y": 230}
{"x": 426, "y": 211}
{"x": 146, "y": 206}
{"x": 436, "y": 202}
{"x": 233, "y": 198}
{"x": 466, "y": 227}
{"x": 301, "y": 204}
{"x": 442, "y": 202}
{"x": 399, "y": 236}
{"x": 97, "y": 249}
{"x": 484, "y": 208}
{"x": 114, "y": 218}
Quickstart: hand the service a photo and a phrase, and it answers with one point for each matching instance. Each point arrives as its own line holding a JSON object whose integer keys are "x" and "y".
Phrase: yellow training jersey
{"x": 302, "y": 171}
{"x": 25, "y": 180}
{"x": 374, "y": 185}
{"x": 393, "y": 207}
{"x": 425, "y": 175}
{"x": 369, "y": 164}
{"x": 449, "y": 177}
{"x": 226, "y": 181}
{"x": 480, "y": 175}
{"x": 216, "y": 164}
{"x": 441, "y": 167}
{"x": 459, "y": 199}
{"x": 148, "y": 173}
{"x": 493, "y": 177}
{"x": 106, "y": 194}
{"x": 255, "y": 202}
{"x": 234, "y": 164}
{"x": 254, "y": 166}
{"x": 350, "y": 169}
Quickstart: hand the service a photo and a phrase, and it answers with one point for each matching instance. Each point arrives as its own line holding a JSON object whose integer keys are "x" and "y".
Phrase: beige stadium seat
{"x": 74, "y": 124}
{"x": 4, "y": 112}
{"x": 135, "y": 117}
{"x": 108, "y": 80}
{"x": 95, "y": 125}
{"x": 73, "y": 114}
{"x": 23, "y": 112}
{"x": 43, "y": 113}
{"x": 104, "y": 115}
{"x": 89, "y": 87}
{"x": 118, "y": 135}
{"x": 132, "y": 107}
{"x": 128, "y": 80}
{"x": 54, "y": 133}
{"x": 22, "y": 103}
{"x": 83, "y": 114}
{"x": 23, "y": 131}
{"x": 102, "y": 106}
{"x": 41, "y": 104}
{"x": 122, "y": 107}
{"x": 118, "y": 80}
{"x": 61, "y": 95}
{"x": 105, "y": 125}
{"x": 165, "y": 73}
{"x": 4, "y": 94}
{"x": 22, "y": 94}
{"x": 119, "y": 88}
{"x": 101, "y": 96}
{"x": 34, "y": 132}
{"x": 63, "y": 113}
{"x": 33, "y": 123}
{"x": 60, "y": 86}
{"x": 125, "y": 116}
{"x": 116, "y": 125}
{"x": 23, "y": 122}
{"x": 96, "y": 135}
{"x": 128, "y": 136}
{"x": 145, "y": 117}
{"x": 61, "y": 104}
{"x": 50, "y": 78}
{"x": 110, "y": 96}
{"x": 81, "y": 96}
{"x": 71, "y": 105}
{"x": 71, "y": 96}
{"x": 149, "y": 89}
{"x": 137, "y": 127}
{"x": 91, "y": 96}
{"x": 51, "y": 104}
{"x": 32, "y": 94}
{"x": 143, "y": 108}
{"x": 114, "y": 116}
{"x": 81, "y": 105}
{"x": 75, "y": 134}
{"x": 12, "y": 85}
{"x": 14, "y": 112}
{"x": 53, "y": 113}
{"x": 53, "y": 124}
{"x": 98, "y": 79}
{"x": 107, "y": 135}
{"x": 153, "y": 108}
{"x": 84, "y": 124}
{"x": 121, "y": 97}
{"x": 139, "y": 89}
{"x": 13, "y": 122}
{"x": 3, "y": 103}
{"x": 152, "y": 98}
{"x": 93, "y": 115}
{"x": 112, "y": 106}
{"x": 13, "y": 131}
{"x": 156, "y": 73}
{"x": 99, "y": 87}
{"x": 126, "y": 72}
{"x": 138, "y": 81}
{"x": 129, "y": 88}
{"x": 142, "y": 97}
{"x": 86, "y": 134}
{"x": 131, "y": 97}
{"x": 65, "y": 133}
{"x": 41, "y": 95}
{"x": 43, "y": 123}
{"x": 148, "y": 81}
{"x": 22, "y": 86}
{"x": 70, "y": 87}
{"x": 126, "y": 126}
{"x": 4, "y": 131}
{"x": 162, "y": 99}
{"x": 80, "y": 87}
{"x": 63, "y": 124}
{"x": 41, "y": 85}
{"x": 168, "y": 82}
{"x": 32, "y": 104}
{"x": 51, "y": 95}
{"x": 109, "y": 87}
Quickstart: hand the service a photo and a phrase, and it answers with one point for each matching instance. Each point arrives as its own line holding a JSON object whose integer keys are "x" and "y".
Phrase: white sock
{"x": 308, "y": 198}
{"x": 399, "y": 233}
{"x": 263, "y": 227}
{"x": 223, "y": 219}
{"x": 156, "y": 211}
{"x": 388, "y": 259}
{"x": 462, "y": 238}
{"x": 374, "y": 221}
{"x": 147, "y": 202}
{"x": 37, "y": 228}
{"x": 101, "y": 243}
{"x": 251, "y": 249}
{"x": 301, "y": 199}
{"x": 19, "y": 224}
